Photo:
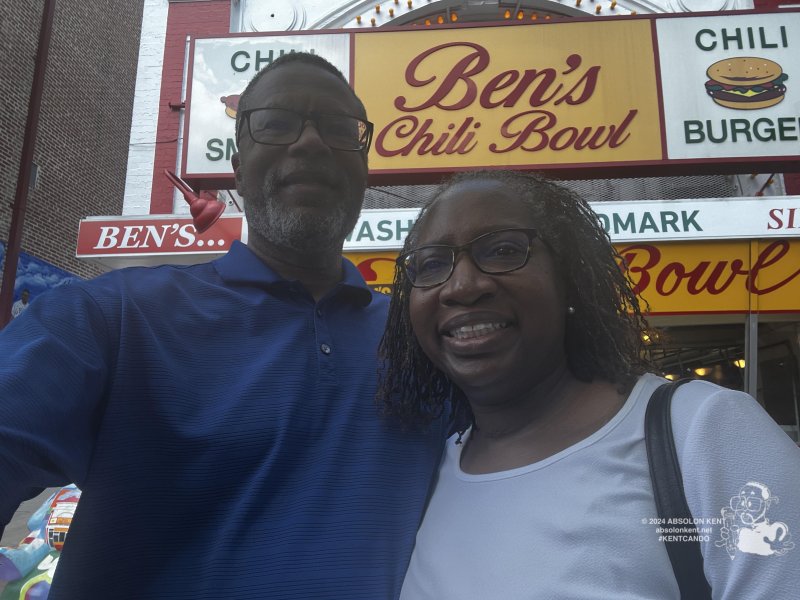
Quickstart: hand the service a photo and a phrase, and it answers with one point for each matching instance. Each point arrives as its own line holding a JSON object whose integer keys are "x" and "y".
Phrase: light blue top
{"x": 582, "y": 524}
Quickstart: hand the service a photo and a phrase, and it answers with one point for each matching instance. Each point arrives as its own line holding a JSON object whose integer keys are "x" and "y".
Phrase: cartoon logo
{"x": 746, "y": 527}
{"x": 62, "y": 509}
{"x": 231, "y": 104}
{"x": 746, "y": 83}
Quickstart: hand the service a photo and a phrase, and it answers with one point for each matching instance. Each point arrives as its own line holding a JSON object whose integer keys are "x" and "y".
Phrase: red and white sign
{"x": 157, "y": 239}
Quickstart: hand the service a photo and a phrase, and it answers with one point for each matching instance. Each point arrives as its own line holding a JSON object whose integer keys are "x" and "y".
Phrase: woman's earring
{"x": 570, "y": 310}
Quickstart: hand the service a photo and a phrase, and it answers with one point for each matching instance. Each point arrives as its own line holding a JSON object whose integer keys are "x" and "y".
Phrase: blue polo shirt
{"x": 223, "y": 428}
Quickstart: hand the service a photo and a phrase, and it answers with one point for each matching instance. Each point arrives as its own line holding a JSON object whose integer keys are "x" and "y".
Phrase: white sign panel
{"x": 731, "y": 85}
{"x": 632, "y": 221}
{"x": 221, "y": 69}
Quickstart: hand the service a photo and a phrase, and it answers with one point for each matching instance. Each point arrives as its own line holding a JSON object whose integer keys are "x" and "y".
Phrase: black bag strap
{"x": 665, "y": 474}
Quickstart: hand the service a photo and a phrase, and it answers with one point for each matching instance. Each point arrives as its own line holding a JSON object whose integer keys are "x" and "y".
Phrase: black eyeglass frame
{"x": 305, "y": 118}
{"x": 456, "y": 250}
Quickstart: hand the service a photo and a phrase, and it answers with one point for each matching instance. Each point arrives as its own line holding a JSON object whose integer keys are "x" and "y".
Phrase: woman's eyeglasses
{"x": 495, "y": 252}
{"x": 281, "y": 127}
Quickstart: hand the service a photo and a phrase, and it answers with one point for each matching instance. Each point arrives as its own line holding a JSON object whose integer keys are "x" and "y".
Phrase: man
{"x": 20, "y": 305}
{"x": 219, "y": 418}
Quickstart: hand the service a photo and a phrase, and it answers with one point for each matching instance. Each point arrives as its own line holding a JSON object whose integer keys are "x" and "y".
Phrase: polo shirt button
{"x": 319, "y": 312}
{"x": 325, "y": 349}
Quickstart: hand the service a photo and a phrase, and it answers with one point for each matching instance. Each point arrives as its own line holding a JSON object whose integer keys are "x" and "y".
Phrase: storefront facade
{"x": 586, "y": 98}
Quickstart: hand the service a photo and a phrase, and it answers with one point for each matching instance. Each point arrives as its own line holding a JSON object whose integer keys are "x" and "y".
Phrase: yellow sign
{"x": 512, "y": 96}
{"x": 683, "y": 278}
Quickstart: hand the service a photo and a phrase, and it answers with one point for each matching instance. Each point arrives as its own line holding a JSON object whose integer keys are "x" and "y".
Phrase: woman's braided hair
{"x": 603, "y": 336}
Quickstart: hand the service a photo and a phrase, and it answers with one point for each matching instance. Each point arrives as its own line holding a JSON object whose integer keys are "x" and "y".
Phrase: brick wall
{"x": 208, "y": 17}
{"x": 84, "y": 124}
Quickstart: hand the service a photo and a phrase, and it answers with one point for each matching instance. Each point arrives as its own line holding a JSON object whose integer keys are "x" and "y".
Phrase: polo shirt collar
{"x": 241, "y": 266}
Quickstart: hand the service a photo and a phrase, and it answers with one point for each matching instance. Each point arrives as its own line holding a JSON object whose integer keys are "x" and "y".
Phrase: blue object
{"x": 36, "y": 275}
{"x": 222, "y": 428}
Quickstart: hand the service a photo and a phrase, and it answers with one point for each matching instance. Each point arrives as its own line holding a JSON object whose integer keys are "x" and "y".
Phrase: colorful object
{"x": 27, "y": 569}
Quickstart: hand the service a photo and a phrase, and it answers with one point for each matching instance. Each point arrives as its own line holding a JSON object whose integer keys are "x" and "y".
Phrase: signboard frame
{"x": 572, "y": 170}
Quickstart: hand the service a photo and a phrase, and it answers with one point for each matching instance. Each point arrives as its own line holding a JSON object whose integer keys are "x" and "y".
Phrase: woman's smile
{"x": 467, "y": 332}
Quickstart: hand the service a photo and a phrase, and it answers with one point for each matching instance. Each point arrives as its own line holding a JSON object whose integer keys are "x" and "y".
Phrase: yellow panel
{"x": 683, "y": 277}
{"x": 528, "y": 95}
{"x": 690, "y": 277}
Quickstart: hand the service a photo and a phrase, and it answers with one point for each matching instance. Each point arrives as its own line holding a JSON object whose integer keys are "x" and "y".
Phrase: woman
{"x": 510, "y": 306}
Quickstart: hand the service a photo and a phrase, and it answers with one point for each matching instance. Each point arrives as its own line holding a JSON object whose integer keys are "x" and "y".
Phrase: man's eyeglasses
{"x": 495, "y": 252}
{"x": 281, "y": 127}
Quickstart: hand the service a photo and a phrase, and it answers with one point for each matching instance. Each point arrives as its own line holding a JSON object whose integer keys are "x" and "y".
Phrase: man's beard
{"x": 295, "y": 229}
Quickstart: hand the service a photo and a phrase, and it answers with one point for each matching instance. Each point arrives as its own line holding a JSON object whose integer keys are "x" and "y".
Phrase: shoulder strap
{"x": 665, "y": 474}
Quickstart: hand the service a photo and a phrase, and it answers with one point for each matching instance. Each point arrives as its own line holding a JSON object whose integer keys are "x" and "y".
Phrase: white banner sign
{"x": 221, "y": 69}
{"x": 633, "y": 221}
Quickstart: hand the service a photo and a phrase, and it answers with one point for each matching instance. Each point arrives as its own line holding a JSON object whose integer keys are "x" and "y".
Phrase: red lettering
{"x": 629, "y": 254}
{"x": 538, "y": 96}
{"x": 366, "y": 269}
{"x": 775, "y": 215}
{"x": 496, "y": 83}
{"x": 616, "y": 138}
{"x": 586, "y": 84}
{"x": 675, "y": 269}
{"x": 538, "y": 132}
{"x": 470, "y": 65}
{"x": 542, "y": 121}
{"x": 712, "y": 285}
{"x": 457, "y": 89}
{"x": 571, "y": 134}
{"x": 703, "y": 277}
{"x": 770, "y": 255}
{"x": 417, "y": 137}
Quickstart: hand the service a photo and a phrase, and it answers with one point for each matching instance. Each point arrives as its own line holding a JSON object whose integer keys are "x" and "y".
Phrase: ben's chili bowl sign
{"x": 505, "y": 96}
{"x": 591, "y": 95}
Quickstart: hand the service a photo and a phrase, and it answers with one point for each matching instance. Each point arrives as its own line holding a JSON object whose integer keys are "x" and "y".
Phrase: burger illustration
{"x": 746, "y": 82}
{"x": 231, "y": 104}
